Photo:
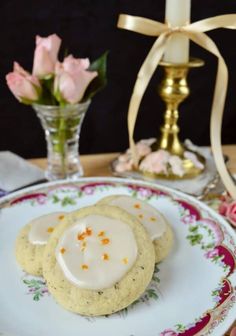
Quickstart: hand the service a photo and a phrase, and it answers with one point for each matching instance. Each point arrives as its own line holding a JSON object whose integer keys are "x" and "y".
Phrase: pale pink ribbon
{"x": 195, "y": 32}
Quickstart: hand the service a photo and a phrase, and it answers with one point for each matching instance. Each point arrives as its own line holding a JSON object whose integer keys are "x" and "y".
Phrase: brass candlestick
{"x": 174, "y": 90}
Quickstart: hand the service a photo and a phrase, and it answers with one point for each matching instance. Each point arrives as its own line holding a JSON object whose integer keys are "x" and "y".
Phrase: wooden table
{"x": 98, "y": 164}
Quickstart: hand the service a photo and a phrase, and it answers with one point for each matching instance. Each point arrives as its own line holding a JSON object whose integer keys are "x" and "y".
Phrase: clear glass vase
{"x": 62, "y": 127}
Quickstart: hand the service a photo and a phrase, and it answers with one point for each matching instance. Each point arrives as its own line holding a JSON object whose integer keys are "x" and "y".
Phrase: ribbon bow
{"x": 196, "y": 33}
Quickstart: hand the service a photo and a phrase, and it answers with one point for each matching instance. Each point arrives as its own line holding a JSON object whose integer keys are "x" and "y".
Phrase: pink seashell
{"x": 143, "y": 149}
{"x": 124, "y": 157}
{"x": 156, "y": 162}
{"x": 122, "y": 167}
{"x": 193, "y": 157}
{"x": 176, "y": 165}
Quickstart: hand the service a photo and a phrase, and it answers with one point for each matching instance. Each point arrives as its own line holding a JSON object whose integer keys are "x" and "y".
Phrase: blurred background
{"x": 88, "y": 28}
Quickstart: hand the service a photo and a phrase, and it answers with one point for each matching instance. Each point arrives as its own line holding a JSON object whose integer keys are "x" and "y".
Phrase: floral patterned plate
{"x": 193, "y": 292}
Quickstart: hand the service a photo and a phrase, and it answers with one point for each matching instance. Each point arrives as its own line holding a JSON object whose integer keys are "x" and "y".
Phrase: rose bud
{"x": 72, "y": 79}
{"x": 45, "y": 55}
{"x": 25, "y": 87}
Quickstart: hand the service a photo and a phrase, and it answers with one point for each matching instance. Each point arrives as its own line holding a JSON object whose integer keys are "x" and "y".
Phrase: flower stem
{"x": 62, "y": 144}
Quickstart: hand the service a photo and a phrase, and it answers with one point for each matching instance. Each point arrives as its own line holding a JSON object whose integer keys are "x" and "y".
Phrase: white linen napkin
{"x": 15, "y": 172}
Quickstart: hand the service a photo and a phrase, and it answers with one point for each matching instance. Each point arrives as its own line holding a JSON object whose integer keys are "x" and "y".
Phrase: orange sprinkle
{"x": 105, "y": 241}
{"x": 105, "y": 256}
{"x": 137, "y": 206}
{"x": 153, "y": 219}
{"x": 84, "y": 244}
{"x": 125, "y": 261}
{"x": 140, "y": 216}
{"x": 101, "y": 234}
{"x": 62, "y": 250}
{"x": 61, "y": 217}
{"x": 89, "y": 231}
{"x": 50, "y": 229}
{"x": 84, "y": 267}
{"x": 81, "y": 236}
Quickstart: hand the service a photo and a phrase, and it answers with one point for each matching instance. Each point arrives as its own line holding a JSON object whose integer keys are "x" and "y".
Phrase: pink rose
{"x": 168, "y": 332}
{"x": 223, "y": 208}
{"x": 23, "y": 85}
{"x": 231, "y": 213}
{"x": 211, "y": 254}
{"x": 233, "y": 332}
{"x": 145, "y": 192}
{"x": 189, "y": 219}
{"x": 45, "y": 55}
{"x": 89, "y": 190}
{"x": 72, "y": 79}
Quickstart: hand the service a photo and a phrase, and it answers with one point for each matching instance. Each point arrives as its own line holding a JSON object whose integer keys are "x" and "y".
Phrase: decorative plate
{"x": 193, "y": 292}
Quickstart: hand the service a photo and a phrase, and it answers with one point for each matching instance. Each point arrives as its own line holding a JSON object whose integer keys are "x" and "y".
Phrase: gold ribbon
{"x": 196, "y": 33}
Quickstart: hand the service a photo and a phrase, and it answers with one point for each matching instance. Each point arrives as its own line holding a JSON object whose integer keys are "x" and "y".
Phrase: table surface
{"x": 98, "y": 164}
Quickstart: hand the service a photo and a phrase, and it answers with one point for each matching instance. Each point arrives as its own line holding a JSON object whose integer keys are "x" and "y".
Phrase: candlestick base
{"x": 174, "y": 90}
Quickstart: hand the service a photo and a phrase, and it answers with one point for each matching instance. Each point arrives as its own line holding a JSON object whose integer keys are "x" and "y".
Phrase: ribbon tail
{"x": 144, "y": 76}
{"x": 217, "y": 109}
{"x": 222, "y": 21}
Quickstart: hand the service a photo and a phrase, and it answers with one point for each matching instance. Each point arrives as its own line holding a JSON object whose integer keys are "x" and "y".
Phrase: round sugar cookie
{"x": 154, "y": 222}
{"x": 80, "y": 249}
{"x": 32, "y": 239}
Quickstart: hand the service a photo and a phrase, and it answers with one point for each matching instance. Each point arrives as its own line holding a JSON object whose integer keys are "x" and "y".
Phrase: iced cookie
{"x": 155, "y": 223}
{"x": 32, "y": 239}
{"x": 98, "y": 261}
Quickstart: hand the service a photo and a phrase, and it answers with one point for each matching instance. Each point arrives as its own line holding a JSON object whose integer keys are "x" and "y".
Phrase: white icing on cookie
{"x": 96, "y": 252}
{"x": 42, "y": 227}
{"x": 151, "y": 219}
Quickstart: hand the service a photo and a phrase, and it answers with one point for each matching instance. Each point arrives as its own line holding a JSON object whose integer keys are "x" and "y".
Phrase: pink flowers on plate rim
{"x": 227, "y": 209}
{"x": 53, "y": 82}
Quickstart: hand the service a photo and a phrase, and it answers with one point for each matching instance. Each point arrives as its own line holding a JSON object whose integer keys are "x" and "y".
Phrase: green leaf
{"x": 26, "y": 101}
{"x": 156, "y": 279}
{"x": 152, "y": 294}
{"x": 37, "y": 296}
{"x": 180, "y": 327}
{"x": 80, "y": 193}
{"x": 208, "y": 246}
{"x": 135, "y": 302}
{"x": 193, "y": 228}
{"x": 67, "y": 201}
{"x": 156, "y": 269}
{"x": 66, "y": 53}
{"x": 55, "y": 199}
{"x": 47, "y": 96}
{"x": 99, "y": 82}
{"x": 195, "y": 239}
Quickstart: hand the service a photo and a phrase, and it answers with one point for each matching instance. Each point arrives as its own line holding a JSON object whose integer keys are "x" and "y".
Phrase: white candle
{"x": 177, "y": 15}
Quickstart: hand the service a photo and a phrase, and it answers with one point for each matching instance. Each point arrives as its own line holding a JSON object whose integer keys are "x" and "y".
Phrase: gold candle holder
{"x": 174, "y": 90}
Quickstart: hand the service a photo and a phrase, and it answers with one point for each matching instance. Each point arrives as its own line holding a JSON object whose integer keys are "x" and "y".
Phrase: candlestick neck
{"x": 173, "y": 90}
